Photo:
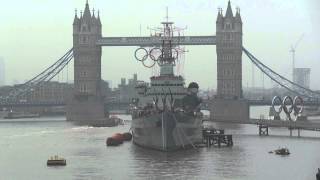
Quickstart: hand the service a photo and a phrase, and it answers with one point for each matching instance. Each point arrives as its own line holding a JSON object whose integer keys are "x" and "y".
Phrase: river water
{"x": 26, "y": 144}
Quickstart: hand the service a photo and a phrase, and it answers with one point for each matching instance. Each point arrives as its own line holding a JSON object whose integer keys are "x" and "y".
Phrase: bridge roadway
{"x": 146, "y": 41}
{"x": 313, "y": 125}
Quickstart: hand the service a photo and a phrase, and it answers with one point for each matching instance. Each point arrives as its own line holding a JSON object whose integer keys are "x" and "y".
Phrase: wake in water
{"x": 81, "y": 128}
{"x": 28, "y": 134}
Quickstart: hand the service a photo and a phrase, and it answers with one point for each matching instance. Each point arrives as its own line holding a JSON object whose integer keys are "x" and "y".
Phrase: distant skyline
{"x": 36, "y": 33}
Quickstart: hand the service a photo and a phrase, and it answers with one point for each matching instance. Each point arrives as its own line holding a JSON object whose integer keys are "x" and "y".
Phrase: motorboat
{"x": 56, "y": 161}
{"x": 282, "y": 151}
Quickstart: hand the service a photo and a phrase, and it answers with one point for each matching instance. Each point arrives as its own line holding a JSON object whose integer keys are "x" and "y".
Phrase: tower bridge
{"x": 87, "y": 104}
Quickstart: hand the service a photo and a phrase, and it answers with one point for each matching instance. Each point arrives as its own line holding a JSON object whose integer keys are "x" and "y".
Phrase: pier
{"x": 216, "y": 137}
{"x": 264, "y": 124}
{"x": 263, "y": 130}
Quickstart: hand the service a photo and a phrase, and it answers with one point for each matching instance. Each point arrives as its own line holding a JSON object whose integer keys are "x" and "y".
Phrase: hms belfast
{"x": 166, "y": 116}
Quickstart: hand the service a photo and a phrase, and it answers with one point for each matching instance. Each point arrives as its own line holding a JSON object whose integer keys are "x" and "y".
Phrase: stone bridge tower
{"x": 229, "y": 54}
{"x": 229, "y": 105}
{"x": 87, "y": 102}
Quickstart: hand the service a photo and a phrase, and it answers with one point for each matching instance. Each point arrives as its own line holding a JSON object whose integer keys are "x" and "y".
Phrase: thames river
{"x": 25, "y": 146}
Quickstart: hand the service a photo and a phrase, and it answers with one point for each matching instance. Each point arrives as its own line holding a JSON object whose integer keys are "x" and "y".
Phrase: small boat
{"x": 56, "y": 161}
{"x": 282, "y": 151}
{"x": 118, "y": 139}
{"x": 127, "y": 136}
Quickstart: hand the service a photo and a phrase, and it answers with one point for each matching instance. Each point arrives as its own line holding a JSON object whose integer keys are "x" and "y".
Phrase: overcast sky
{"x": 35, "y": 33}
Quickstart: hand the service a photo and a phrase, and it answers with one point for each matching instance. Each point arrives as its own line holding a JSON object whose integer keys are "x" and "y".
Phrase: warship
{"x": 166, "y": 115}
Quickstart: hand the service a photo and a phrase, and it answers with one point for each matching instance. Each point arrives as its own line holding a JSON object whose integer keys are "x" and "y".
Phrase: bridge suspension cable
{"x": 281, "y": 80}
{"x": 41, "y": 78}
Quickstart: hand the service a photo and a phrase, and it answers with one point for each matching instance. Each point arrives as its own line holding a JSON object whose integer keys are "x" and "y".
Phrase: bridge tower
{"x": 229, "y": 54}
{"x": 87, "y": 101}
{"x": 229, "y": 104}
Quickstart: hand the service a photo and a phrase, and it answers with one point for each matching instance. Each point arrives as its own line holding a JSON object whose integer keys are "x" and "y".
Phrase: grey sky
{"x": 35, "y": 33}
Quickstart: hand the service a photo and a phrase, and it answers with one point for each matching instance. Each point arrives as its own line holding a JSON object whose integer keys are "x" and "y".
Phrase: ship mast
{"x": 167, "y": 53}
{"x": 166, "y": 60}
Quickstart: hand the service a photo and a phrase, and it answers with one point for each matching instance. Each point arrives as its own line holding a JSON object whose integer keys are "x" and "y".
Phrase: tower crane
{"x": 293, "y": 51}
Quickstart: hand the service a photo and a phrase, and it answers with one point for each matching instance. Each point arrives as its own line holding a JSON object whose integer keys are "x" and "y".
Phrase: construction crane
{"x": 293, "y": 51}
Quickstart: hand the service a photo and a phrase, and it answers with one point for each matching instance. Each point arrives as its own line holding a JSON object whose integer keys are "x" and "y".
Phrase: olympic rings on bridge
{"x": 148, "y": 66}
{"x": 139, "y": 57}
{"x": 288, "y": 105}
{"x": 155, "y": 54}
{"x": 175, "y": 54}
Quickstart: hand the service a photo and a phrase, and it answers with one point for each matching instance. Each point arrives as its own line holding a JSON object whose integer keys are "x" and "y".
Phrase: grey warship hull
{"x": 167, "y": 131}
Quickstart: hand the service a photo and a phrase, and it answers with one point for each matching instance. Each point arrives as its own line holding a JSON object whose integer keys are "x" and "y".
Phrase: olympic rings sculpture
{"x": 288, "y": 105}
{"x": 155, "y": 54}
{"x": 143, "y": 58}
{"x": 154, "y": 51}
